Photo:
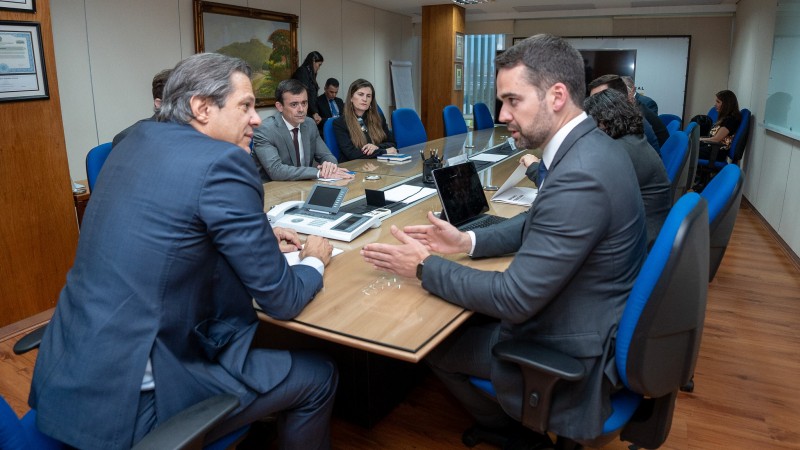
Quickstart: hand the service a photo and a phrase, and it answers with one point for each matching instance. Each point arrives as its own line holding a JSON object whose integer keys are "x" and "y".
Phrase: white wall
{"x": 107, "y": 52}
{"x": 772, "y": 161}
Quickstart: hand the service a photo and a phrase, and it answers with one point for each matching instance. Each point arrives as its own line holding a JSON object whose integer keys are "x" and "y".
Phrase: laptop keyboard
{"x": 482, "y": 222}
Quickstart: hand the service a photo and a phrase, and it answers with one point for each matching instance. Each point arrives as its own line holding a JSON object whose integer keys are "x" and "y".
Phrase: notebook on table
{"x": 463, "y": 201}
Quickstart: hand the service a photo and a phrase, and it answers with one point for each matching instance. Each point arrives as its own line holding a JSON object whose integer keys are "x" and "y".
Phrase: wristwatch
{"x": 419, "y": 269}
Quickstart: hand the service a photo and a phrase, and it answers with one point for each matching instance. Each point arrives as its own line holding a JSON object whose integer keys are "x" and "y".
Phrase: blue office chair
{"x": 692, "y": 131}
{"x": 330, "y": 138}
{"x": 454, "y": 122}
{"x": 667, "y": 118}
{"x": 713, "y": 114}
{"x": 94, "y": 162}
{"x": 675, "y": 155}
{"x": 724, "y": 195}
{"x": 408, "y": 128}
{"x": 185, "y": 430}
{"x": 708, "y": 167}
{"x": 673, "y": 126}
{"x": 482, "y": 116}
{"x": 657, "y": 341}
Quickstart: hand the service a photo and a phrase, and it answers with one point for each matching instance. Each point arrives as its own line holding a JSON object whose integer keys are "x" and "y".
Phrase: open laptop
{"x": 462, "y": 197}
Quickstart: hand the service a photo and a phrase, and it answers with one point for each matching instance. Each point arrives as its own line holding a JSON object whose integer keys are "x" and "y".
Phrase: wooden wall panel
{"x": 439, "y": 26}
{"x": 38, "y": 228}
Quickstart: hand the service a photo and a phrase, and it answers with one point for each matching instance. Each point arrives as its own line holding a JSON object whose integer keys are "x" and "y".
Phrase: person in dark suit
{"x": 621, "y": 120}
{"x": 159, "y": 80}
{"x": 329, "y": 106}
{"x": 655, "y": 130}
{"x": 577, "y": 251}
{"x": 274, "y": 150}
{"x": 640, "y": 99}
{"x": 157, "y": 312}
{"x": 361, "y": 131}
{"x": 307, "y": 74}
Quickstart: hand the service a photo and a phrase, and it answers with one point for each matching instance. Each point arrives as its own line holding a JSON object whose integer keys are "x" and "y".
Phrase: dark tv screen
{"x": 603, "y": 62}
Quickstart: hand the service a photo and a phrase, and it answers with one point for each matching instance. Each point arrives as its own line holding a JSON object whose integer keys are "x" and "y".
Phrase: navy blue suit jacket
{"x": 174, "y": 247}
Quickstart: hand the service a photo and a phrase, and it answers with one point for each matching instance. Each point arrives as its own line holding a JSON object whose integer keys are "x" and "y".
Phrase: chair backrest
{"x": 330, "y": 138}
{"x": 666, "y": 119}
{"x": 693, "y": 132}
{"x": 659, "y": 334}
{"x": 407, "y": 127}
{"x": 454, "y": 122}
{"x": 724, "y": 195}
{"x": 94, "y": 162}
{"x": 673, "y": 126}
{"x": 713, "y": 114}
{"x": 482, "y": 115}
{"x": 675, "y": 154}
{"x": 739, "y": 142}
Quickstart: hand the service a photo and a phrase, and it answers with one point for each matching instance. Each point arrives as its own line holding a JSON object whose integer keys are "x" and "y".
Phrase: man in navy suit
{"x": 577, "y": 251}
{"x": 329, "y": 105}
{"x": 157, "y": 312}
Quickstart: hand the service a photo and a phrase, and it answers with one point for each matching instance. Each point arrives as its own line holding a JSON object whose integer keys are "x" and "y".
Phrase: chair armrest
{"x": 543, "y": 359}
{"x": 187, "y": 429}
{"x": 30, "y": 341}
{"x": 715, "y": 148}
{"x": 542, "y": 368}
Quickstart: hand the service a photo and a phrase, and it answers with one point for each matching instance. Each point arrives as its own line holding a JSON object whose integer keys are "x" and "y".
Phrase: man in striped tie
{"x": 328, "y": 104}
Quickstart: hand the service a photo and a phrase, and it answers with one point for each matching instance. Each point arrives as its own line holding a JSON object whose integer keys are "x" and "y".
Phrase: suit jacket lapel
{"x": 306, "y": 138}
{"x": 287, "y": 139}
{"x": 578, "y": 132}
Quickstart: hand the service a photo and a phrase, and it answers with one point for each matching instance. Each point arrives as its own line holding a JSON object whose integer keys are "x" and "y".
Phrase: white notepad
{"x": 510, "y": 193}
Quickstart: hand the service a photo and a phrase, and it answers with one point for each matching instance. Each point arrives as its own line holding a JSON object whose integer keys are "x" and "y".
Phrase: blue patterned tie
{"x": 334, "y": 110}
{"x": 541, "y": 173}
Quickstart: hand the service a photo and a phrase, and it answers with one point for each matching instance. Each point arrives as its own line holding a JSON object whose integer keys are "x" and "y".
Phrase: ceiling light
{"x": 469, "y": 2}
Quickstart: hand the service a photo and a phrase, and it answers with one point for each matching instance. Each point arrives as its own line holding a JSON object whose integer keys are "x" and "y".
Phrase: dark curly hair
{"x": 614, "y": 114}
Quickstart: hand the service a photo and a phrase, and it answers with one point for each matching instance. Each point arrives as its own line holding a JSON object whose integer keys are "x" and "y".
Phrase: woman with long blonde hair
{"x": 361, "y": 130}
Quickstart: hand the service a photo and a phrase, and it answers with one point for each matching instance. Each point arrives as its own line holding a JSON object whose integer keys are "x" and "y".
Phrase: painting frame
{"x": 18, "y": 5}
{"x": 215, "y": 23}
{"x": 459, "y": 47}
{"x": 22, "y": 78}
{"x": 458, "y": 77}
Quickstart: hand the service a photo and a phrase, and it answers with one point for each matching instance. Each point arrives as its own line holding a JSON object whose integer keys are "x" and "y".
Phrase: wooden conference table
{"x": 371, "y": 310}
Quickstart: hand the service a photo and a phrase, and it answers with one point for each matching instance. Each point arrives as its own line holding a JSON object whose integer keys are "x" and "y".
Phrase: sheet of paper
{"x": 408, "y": 194}
{"x": 294, "y": 257}
{"x": 488, "y": 157}
{"x": 509, "y": 193}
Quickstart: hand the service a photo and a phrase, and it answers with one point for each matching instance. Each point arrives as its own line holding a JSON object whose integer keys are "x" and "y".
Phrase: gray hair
{"x": 548, "y": 60}
{"x": 205, "y": 75}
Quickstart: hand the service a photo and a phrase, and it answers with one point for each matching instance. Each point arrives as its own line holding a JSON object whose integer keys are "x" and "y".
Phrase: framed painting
{"x": 22, "y": 5}
{"x": 22, "y": 72}
{"x": 266, "y": 40}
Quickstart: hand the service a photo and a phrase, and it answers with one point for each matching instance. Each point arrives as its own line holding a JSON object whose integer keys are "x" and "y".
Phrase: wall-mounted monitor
{"x": 597, "y": 63}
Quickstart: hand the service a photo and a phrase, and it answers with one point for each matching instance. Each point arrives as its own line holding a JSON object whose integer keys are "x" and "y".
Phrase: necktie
{"x": 296, "y": 146}
{"x": 334, "y": 110}
{"x": 541, "y": 173}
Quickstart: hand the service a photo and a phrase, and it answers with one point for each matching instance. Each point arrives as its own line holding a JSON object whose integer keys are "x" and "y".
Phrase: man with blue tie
{"x": 328, "y": 104}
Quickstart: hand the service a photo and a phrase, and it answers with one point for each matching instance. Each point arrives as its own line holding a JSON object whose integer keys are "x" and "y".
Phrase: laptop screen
{"x": 460, "y": 192}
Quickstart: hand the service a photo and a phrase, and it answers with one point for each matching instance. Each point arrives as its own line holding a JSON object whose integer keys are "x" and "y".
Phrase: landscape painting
{"x": 266, "y": 40}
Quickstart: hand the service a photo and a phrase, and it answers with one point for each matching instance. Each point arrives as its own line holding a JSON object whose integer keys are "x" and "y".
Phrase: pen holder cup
{"x": 428, "y": 167}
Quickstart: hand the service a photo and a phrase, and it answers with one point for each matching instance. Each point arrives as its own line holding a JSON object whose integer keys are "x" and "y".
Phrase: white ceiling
{"x": 542, "y": 9}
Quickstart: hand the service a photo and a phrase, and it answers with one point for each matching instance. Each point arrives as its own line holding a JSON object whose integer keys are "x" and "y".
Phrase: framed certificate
{"x": 24, "y": 5}
{"x": 459, "y": 57}
{"x": 458, "y": 72}
{"x": 22, "y": 72}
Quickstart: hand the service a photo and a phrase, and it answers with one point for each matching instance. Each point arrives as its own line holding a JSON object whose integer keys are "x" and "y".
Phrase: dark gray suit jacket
{"x": 578, "y": 251}
{"x": 324, "y": 109}
{"x": 174, "y": 247}
{"x": 273, "y": 150}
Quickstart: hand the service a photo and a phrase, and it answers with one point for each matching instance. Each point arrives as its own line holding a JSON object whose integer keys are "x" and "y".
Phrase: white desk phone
{"x": 320, "y": 215}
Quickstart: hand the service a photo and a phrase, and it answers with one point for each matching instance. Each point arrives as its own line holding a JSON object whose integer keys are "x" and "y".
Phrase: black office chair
{"x": 657, "y": 342}
{"x": 708, "y": 167}
{"x": 724, "y": 195}
{"x": 693, "y": 132}
{"x": 185, "y": 431}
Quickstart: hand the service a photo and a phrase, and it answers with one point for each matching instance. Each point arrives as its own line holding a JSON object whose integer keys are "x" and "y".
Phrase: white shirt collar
{"x": 288, "y": 125}
{"x": 552, "y": 147}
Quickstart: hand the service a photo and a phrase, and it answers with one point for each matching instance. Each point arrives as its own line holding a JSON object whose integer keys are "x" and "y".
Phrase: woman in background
{"x": 621, "y": 120}
{"x": 724, "y": 128}
{"x": 361, "y": 130}
{"x": 307, "y": 74}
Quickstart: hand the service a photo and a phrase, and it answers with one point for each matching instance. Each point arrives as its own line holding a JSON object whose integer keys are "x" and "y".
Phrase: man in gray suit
{"x": 157, "y": 312}
{"x": 287, "y": 146}
{"x": 577, "y": 251}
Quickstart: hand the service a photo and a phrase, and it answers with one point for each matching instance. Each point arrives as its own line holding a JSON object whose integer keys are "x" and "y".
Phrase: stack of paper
{"x": 407, "y": 194}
